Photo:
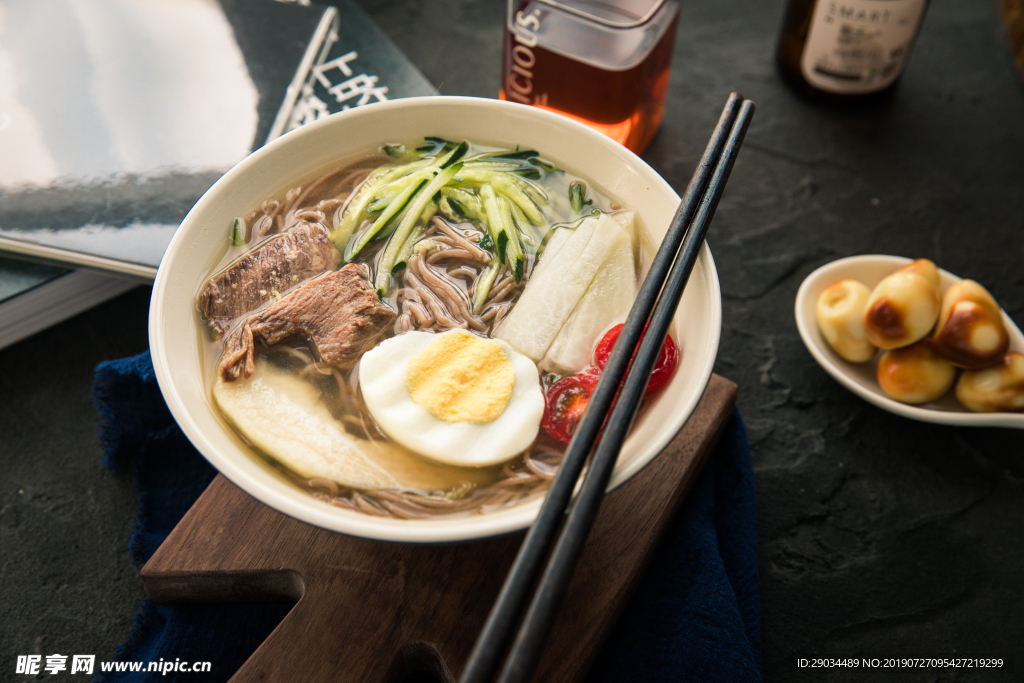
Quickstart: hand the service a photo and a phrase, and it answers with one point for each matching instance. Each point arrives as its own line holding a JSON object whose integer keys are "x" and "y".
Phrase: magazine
{"x": 120, "y": 117}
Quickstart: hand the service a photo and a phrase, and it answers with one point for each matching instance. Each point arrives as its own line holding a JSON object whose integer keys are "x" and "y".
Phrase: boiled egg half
{"x": 453, "y": 397}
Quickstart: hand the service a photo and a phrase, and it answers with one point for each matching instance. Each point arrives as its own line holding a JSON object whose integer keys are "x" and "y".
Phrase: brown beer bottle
{"x": 847, "y": 50}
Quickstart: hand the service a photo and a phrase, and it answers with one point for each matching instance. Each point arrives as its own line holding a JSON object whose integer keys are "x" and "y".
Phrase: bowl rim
{"x": 806, "y": 322}
{"x": 512, "y": 519}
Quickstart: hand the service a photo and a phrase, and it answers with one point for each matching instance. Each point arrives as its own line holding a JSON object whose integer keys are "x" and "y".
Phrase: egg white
{"x": 382, "y": 379}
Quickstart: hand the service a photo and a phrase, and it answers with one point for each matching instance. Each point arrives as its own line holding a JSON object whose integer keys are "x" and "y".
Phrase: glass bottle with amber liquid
{"x": 848, "y": 50}
{"x": 604, "y": 63}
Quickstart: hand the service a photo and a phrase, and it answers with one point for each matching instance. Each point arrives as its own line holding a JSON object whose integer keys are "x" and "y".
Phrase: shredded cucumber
{"x": 407, "y": 250}
{"x": 526, "y": 230}
{"x": 510, "y": 154}
{"x": 478, "y": 175}
{"x": 453, "y": 156}
{"x": 515, "y": 194}
{"x": 503, "y": 231}
{"x": 417, "y": 206}
{"x": 439, "y": 141}
{"x": 514, "y": 249}
{"x": 483, "y": 285}
{"x": 414, "y": 239}
{"x": 484, "y": 166}
{"x": 381, "y": 201}
{"x": 495, "y": 221}
{"x": 525, "y": 156}
{"x": 466, "y": 203}
{"x": 491, "y": 191}
{"x": 578, "y": 199}
{"x": 353, "y": 214}
{"x": 425, "y": 246}
{"x": 396, "y": 205}
{"x": 238, "y": 232}
{"x": 535, "y": 192}
{"x": 445, "y": 206}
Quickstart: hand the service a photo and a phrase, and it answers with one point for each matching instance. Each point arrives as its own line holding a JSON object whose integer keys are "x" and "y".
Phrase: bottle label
{"x": 859, "y": 46}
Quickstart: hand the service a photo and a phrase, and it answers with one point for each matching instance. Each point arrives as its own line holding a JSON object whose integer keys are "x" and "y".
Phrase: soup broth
{"x": 467, "y": 253}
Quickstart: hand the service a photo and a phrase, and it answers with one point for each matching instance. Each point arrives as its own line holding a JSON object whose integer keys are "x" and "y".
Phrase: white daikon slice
{"x": 551, "y": 295}
{"x": 554, "y": 245}
{"x": 282, "y": 416}
{"x": 625, "y": 219}
{"x": 606, "y": 302}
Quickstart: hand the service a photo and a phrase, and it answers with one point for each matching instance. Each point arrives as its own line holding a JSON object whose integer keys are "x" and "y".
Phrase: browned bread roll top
{"x": 995, "y": 389}
{"x": 915, "y": 374}
{"x": 904, "y": 306}
{"x": 840, "y": 312}
{"x": 970, "y": 332}
{"x": 926, "y": 269}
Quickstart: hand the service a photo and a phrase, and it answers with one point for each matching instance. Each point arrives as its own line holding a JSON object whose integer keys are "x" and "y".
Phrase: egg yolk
{"x": 460, "y": 377}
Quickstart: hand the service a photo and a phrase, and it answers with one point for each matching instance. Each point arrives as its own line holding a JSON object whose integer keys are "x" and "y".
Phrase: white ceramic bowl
{"x": 861, "y": 378}
{"x": 174, "y": 328}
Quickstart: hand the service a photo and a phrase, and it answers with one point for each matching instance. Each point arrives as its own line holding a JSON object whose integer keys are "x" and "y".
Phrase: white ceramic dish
{"x": 860, "y": 378}
{"x": 200, "y": 242}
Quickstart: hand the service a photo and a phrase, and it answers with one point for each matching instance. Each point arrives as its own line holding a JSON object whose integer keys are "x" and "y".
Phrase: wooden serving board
{"x": 378, "y": 612}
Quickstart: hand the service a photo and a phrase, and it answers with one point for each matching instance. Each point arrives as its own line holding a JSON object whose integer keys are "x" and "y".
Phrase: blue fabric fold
{"x": 695, "y": 616}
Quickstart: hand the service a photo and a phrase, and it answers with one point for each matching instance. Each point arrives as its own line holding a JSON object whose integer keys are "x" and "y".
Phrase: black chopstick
{"x": 533, "y": 632}
{"x": 491, "y": 644}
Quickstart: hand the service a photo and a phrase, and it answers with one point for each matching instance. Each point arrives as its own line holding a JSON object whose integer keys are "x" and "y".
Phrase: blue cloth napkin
{"x": 695, "y": 616}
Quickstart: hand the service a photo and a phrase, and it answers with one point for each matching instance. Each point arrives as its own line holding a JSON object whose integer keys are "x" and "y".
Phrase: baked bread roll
{"x": 997, "y": 389}
{"x": 902, "y": 309}
{"x": 840, "y": 313}
{"x": 915, "y": 374}
{"x": 970, "y": 333}
{"x": 926, "y": 269}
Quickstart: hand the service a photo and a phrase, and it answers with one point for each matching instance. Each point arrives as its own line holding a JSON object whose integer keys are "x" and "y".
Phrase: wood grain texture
{"x": 376, "y": 611}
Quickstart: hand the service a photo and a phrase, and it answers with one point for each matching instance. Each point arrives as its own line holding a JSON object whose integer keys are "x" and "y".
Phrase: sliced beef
{"x": 259, "y": 276}
{"x": 339, "y": 311}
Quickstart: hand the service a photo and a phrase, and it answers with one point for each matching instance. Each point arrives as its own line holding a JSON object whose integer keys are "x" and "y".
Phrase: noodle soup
{"x": 411, "y": 333}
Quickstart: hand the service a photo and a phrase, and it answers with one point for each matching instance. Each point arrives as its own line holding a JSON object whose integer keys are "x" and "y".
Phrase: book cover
{"x": 18, "y": 277}
{"x": 34, "y": 297}
{"x": 115, "y": 117}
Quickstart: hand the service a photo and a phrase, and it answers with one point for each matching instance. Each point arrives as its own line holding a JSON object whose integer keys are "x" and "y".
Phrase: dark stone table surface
{"x": 878, "y": 535}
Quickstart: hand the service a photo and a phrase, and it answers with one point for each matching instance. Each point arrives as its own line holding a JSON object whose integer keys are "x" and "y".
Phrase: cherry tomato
{"x": 564, "y": 404}
{"x": 663, "y": 367}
